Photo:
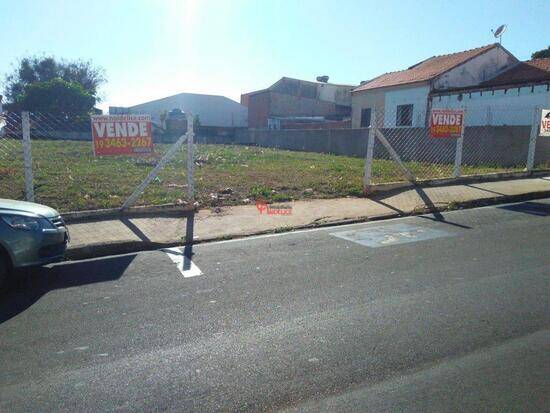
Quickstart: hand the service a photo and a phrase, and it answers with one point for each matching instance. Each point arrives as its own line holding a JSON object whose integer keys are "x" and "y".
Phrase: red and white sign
{"x": 446, "y": 123}
{"x": 545, "y": 123}
{"x": 122, "y": 135}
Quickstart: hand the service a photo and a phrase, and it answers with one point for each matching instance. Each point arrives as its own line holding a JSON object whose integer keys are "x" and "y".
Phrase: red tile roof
{"x": 425, "y": 70}
{"x": 531, "y": 71}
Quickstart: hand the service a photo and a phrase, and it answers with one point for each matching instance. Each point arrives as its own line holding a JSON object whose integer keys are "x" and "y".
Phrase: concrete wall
{"x": 258, "y": 109}
{"x": 61, "y": 135}
{"x": 476, "y": 70}
{"x": 339, "y": 94}
{"x": 504, "y": 145}
{"x": 348, "y": 142}
{"x": 342, "y": 124}
{"x": 497, "y": 107}
{"x": 287, "y": 105}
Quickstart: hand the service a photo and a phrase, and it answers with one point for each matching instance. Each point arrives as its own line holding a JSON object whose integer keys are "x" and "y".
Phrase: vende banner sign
{"x": 545, "y": 123}
{"x": 122, "y": 134}
{"x": 446, "y": 123}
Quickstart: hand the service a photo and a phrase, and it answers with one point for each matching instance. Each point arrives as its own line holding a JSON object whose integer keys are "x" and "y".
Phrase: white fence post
{"x": 27, "y": 155}
{"x": 190, "y": 159}
{"x": 533, "y": 138}
{"x": 370, "y": 154}
{"x": 458, "y": 152}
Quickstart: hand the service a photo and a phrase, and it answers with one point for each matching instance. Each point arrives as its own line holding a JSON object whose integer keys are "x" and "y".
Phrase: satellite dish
{"x": 499, "y": 32}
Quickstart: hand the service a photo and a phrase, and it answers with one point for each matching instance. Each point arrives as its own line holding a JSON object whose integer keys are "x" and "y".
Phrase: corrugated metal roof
{"x": 425, "y": 70}
{"x": 213, "y": 110}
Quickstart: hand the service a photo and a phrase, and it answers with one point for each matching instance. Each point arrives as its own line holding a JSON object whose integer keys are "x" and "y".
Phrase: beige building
{"x": 404, "y": 97}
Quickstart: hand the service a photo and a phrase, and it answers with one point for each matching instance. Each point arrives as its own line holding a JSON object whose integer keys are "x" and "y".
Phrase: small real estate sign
{"x": 446, "y": 123}
{"x": 545, "y": 123}
{"x": 122, "y": 135}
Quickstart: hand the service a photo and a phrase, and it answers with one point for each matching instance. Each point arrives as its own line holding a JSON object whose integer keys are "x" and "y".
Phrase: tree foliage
{"x": 57, "y": 97}
{"x": 34, "y": 70}
{"x": 541, "y": 53}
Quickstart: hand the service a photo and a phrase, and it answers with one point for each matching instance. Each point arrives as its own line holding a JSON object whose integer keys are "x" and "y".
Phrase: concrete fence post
{"x": 458, "y": 151}
{"x": 190, "y": 159}
{"x": 370, "y": 154}
{"x": 27, "y": 156}
{"x": 533, "y": 138}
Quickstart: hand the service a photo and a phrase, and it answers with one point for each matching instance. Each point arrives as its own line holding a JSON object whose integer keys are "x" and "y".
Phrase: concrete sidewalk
{"x": 114, "y": 236}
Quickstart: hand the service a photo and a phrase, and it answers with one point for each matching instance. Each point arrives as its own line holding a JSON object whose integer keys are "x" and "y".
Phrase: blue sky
{"x": 152, "y": 49}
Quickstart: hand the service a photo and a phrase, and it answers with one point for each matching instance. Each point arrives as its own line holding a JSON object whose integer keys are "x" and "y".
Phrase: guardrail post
{"x": 458, "y": 152}
{"x": 537, "y": 113}
{"x": 27, "y": 156}
{"x": 370, "y": 154}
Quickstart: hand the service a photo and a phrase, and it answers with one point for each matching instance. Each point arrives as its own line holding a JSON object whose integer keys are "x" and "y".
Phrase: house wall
{"x": 368, "y": 99}
{"x": 416, "y": 96}
{"x": 476, "y": 70}
{"x": 499, "y": 107}
{"x": 386, "y": 101}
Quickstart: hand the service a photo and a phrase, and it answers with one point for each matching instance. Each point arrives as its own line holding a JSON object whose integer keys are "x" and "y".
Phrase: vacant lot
{"x": 68, "y": 177}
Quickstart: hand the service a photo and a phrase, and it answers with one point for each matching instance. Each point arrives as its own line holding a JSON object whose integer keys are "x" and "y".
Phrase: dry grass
{"x": 68, "y": 177}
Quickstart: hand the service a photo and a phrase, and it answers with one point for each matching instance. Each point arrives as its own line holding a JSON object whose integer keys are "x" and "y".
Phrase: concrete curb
{"x": 465, "y": 179}
{"x": 126, "y": 247}
{"x": 139, "y": 211}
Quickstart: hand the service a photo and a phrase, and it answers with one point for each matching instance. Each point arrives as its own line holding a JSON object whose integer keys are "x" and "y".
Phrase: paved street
{"x": 431, "y": 313}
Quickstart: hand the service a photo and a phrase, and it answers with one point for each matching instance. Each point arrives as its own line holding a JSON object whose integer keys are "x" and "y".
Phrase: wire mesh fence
{"x": 12, "y": 184}
{"x": 485, "y": 148}
{"x": 277, "y": 166}
{"x": 67, "y": 175}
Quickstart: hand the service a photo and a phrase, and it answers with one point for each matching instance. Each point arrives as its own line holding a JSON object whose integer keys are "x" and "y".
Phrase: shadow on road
{"x": 28, "y": 286}
{"x": 428, "y": 207}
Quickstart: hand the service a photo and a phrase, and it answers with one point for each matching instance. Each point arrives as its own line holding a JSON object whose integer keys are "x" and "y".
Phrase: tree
{"x": 541, "y": 53}
{"x": 35, "y": 69}
{"x": 56, "y": 97}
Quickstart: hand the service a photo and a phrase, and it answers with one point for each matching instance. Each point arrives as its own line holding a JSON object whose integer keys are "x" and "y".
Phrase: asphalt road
{"x": 444, "y": 313}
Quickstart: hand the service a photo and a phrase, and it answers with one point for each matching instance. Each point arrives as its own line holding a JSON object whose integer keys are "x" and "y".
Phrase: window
{"x": 365, "y": 118}
{"x": 404, "y": 115}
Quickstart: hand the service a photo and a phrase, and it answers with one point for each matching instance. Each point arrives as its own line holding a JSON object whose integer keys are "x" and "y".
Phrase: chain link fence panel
{"x": 67, "y": 175}
{"x": 487, "y": 147}
{"x": 12, "y": 180}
